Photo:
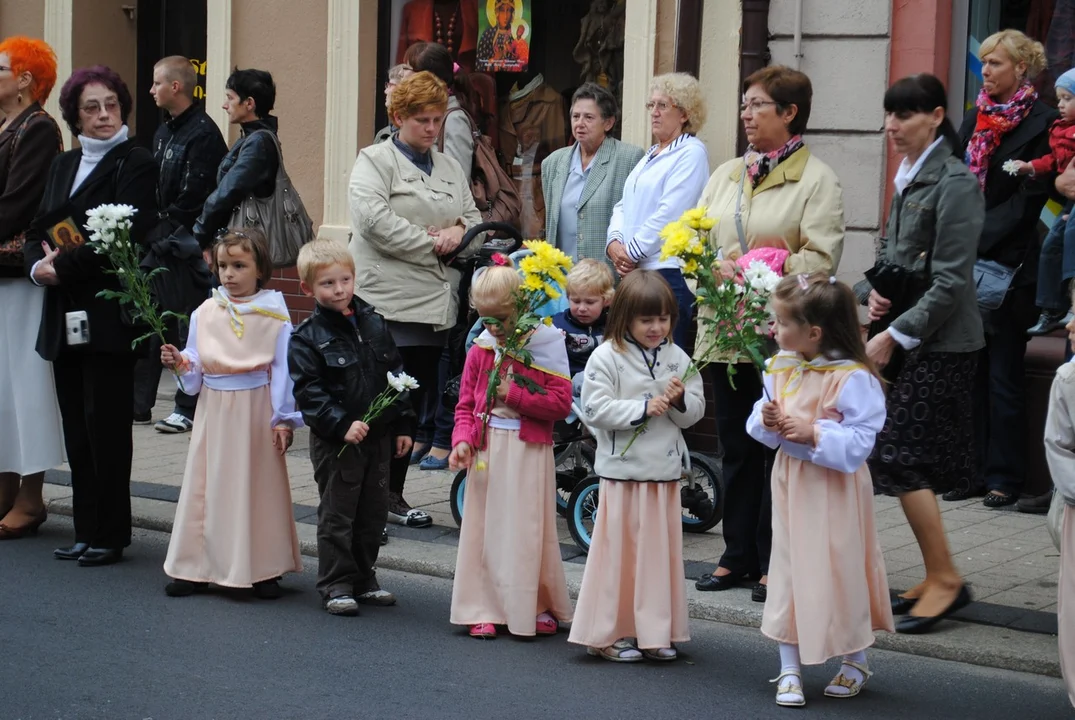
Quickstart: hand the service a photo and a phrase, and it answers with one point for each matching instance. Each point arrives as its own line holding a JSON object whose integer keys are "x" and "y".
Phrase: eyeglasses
{"x": 755, "y": 105}
{"x": 110, "y": 107}
{"x": 224, "y": 232}
{"x": 5, "y": 68}
{"x": 661, "y": 106}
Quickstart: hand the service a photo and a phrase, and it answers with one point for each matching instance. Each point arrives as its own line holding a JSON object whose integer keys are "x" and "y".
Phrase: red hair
{"x": 35, "y": 57}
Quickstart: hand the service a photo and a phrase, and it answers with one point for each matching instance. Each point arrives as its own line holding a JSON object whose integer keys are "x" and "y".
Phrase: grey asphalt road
{"x": 106, "y": 643}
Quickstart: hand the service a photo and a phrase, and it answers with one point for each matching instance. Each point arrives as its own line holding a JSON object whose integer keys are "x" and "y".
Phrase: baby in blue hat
{"x": 1057, "y": 265}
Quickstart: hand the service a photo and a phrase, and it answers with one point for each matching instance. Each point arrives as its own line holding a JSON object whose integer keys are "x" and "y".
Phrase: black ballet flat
{"x": 759, "y": 593}
{"x": 714, "y": 583}
{"x": 71, "y": 553}
{"x": 912, "y": 625}
{"x": 995, "y": 500}
{"x": 902, "y": 605}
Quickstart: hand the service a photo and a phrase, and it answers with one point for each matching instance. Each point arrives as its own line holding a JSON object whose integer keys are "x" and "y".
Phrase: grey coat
{"x": 933, "y": 229}
{"x": 610, "y": 167}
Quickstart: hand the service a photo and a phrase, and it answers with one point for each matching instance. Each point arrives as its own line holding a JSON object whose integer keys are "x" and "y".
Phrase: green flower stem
{"x": 380, "y": 403}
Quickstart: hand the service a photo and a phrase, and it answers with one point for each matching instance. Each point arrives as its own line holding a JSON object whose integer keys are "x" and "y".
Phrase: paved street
{"x": 106, "y": 643}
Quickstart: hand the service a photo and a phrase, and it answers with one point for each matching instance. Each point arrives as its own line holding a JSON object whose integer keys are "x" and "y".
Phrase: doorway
{"x": 167, "y": 27}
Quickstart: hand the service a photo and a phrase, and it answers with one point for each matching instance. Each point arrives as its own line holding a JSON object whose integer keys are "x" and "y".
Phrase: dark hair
{"x": 605, "y": 100}
{"x": 252, "y": 240}
{"x": 434, "y": 58}
{"x": 923, "y": 93}
{"x": 831, "y": 306}
{"x": 71, "y": 93}
{"x": 256, "y": 84}
{"x": 786, "y": 87}
{"x": 641, "y": 293}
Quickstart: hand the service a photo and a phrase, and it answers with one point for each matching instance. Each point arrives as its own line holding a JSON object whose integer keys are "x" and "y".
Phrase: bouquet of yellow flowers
{"x": 544, "y": 270}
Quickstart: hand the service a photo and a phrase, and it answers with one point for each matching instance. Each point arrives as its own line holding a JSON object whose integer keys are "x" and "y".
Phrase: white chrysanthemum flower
{"x": 408, "y": 382}
{"x": 1011, "y": 167}
{"x": 395, "y": 382}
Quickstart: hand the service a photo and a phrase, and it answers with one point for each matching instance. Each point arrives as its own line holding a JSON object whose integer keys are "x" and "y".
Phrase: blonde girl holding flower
{"x": 508, "y": 568}
{"x": 234, "y": 525}
{"x": 633, "y": 603}
{"x": 822, "y": 410}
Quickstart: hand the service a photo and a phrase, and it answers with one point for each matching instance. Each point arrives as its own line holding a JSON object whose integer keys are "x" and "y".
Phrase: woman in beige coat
{"x": 410, "y": 206}
{"x": 780, "y": 196}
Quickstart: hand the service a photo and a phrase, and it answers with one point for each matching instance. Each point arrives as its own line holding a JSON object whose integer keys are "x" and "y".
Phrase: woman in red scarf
{"x": 1008, "y": 122}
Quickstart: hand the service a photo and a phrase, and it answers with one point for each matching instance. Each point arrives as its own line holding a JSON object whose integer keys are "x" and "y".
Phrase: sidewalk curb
{"x": 969, "y": 643}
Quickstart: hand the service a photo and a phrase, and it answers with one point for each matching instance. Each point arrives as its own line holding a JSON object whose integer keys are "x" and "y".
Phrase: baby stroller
{"x": 573, "y": 447}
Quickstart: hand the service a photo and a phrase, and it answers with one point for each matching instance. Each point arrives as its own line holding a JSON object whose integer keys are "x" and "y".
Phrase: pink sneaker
{"x": 546, "y": 624}
{"x": 485, "y": 631}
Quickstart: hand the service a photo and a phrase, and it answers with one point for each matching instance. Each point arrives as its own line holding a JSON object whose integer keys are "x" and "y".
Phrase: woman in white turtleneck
{"x": 95, "y": 378}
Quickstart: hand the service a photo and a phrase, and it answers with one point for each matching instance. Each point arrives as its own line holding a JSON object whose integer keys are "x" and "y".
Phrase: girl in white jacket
{"x": 633, "y": 603}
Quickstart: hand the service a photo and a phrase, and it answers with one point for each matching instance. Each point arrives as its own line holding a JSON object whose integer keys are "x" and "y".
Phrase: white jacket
{"x": 615, "y": 394}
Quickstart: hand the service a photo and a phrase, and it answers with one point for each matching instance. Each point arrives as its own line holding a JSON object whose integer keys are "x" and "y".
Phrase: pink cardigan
{"x": 539, "y": 412}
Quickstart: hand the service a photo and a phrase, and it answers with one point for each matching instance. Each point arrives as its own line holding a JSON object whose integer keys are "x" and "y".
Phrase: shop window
{"x": 1051, "y": 22}
{"x": 524, "y": 60}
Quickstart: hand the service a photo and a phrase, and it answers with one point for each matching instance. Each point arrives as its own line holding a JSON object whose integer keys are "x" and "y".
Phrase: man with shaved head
{"x": 188, "y": 148}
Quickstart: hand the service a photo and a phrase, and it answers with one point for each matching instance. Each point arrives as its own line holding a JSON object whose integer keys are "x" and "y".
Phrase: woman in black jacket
{"x": 94, "y": 379}
{"x": 250, "y": 166}
{"x": 1008, "y": 122}
{"x": 31, "y": 441}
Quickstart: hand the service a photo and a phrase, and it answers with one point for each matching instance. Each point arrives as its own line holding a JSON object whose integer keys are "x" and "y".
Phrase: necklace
{"x": 447, "y": 40}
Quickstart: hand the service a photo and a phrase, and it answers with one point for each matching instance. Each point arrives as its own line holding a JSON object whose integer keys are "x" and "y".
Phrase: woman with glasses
{"x": 29, "y": 140}
{"x": 782, "y": 198}
{"x": 666, "y": 182}
{"x": 94, "y": 366}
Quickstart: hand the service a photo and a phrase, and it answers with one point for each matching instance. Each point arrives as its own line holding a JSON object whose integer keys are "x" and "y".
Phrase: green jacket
{"x": 942, "y": 208}
{"x": 604, "y": 187}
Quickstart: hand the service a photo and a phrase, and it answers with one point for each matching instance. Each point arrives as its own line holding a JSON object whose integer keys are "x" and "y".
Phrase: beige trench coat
{"x": 393, "y": 205}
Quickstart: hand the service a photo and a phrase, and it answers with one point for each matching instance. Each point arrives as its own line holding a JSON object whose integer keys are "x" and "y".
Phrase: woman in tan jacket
{"x": 778, "y": 195}
{"x": 410, "y": 206}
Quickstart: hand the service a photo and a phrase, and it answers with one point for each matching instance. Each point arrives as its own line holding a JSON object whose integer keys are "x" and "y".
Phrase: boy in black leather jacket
{"x": 339, "y": 359}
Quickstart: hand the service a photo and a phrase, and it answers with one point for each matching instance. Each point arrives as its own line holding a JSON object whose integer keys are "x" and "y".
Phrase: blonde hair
{"x": 495, "y": 287}
{"x": 1018, "y": 47}
{"x": 591, "y": 275}
{"x": 317, "y": 255}
{"x": 418, "y": 93}
{"x": 686, "y": 94}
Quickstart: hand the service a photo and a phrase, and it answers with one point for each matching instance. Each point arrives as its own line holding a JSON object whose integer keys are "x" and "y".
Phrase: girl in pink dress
{"x": 508, "y": 570}
{"x": 824, "y": 405}
{"x": 234, "y": 525}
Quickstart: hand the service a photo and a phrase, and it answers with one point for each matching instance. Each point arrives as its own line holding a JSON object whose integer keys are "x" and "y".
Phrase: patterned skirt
{"x": 928, "y": 439}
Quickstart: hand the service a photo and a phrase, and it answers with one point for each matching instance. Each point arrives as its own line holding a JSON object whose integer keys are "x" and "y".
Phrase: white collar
{"x": 96, "y": 149}
{"x": 907, "y": 172}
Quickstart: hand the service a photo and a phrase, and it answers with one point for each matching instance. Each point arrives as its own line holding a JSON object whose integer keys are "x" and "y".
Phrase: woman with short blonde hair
{"x": 410, "y": 207}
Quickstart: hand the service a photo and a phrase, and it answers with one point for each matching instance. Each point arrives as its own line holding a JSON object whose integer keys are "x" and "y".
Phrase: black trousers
{"x": 421, "y": 363}
{"x": 351, "y": 515}
{"x": 95, "y": 392}
{"x": 747, "y": 523}
{"x": 1000, "y": 394}
{"x": 147, "y": 375}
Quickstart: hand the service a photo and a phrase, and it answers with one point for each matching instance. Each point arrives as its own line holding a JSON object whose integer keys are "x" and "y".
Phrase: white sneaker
{"x": 377, "y": 597}
{"x": 174, "y": 423}
{"x": 342, "y": 605}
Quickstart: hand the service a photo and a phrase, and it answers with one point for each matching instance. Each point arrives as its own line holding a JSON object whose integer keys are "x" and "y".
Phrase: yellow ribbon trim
{"x": 533, "y": 366}
{"x": 798, "y": 368}
{"x": 236, "y": 318}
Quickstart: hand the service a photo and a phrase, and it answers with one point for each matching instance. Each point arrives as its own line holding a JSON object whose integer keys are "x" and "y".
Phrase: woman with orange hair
{"x": 31, "y": 441}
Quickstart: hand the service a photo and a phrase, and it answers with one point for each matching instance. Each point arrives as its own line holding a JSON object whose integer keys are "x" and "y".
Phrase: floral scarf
{"x": 760, "y": 164}
{"x": 994, "y": 122}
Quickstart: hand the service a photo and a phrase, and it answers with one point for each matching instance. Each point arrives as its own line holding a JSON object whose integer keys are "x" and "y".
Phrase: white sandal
{"x": 854, "y": 687}
{"x": 790, "y": 687}
{"x": 623, "y": 650}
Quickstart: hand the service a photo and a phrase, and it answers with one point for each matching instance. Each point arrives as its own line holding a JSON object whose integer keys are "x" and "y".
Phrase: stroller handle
{"x": 485, "y": 227}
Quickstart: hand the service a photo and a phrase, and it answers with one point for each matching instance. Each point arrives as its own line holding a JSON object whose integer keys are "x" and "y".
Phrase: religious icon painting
{"x": 504, "y": 40}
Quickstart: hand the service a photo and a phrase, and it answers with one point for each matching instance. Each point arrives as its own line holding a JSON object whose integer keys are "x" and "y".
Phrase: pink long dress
{"x": 828, "y": 589}
{"x": 234, "y": 524}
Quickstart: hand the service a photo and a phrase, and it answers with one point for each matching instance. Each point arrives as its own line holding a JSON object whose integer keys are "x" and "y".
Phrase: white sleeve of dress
{"x": 190, "y": 378}
{"x": 281, "y": 389}
{"x": 844, "y": 446}
{"x": 755, "y": 428}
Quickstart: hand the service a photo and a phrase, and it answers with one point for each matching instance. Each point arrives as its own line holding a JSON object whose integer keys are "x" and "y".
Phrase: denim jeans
{"x": 685, "y": 300}
{"x": 1057, "y": 264}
